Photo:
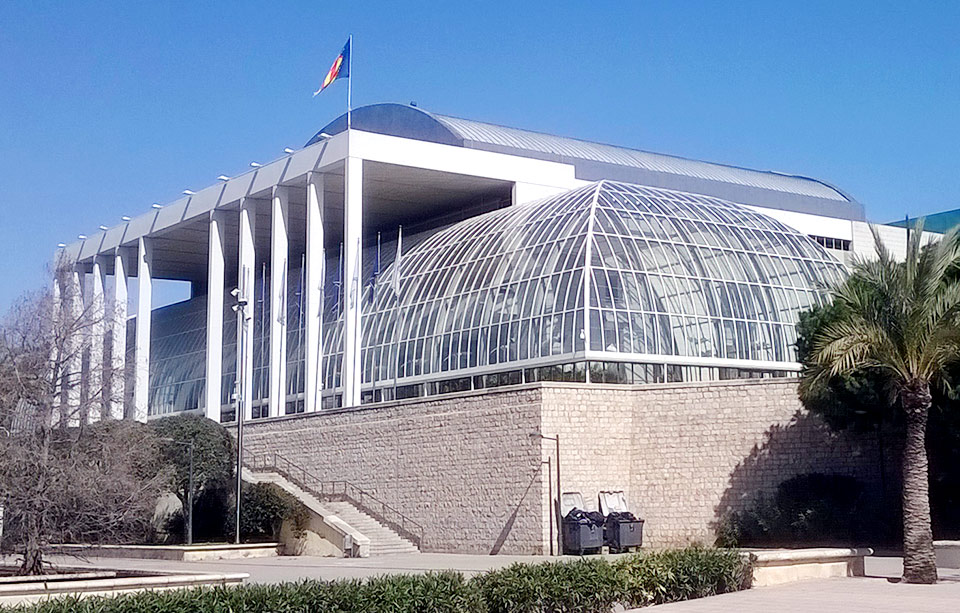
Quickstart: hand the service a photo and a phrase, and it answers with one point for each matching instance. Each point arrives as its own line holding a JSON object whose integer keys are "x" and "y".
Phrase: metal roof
{"x": 596, "y": 161}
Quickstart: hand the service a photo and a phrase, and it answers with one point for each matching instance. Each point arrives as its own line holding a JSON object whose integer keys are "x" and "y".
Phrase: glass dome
{"x": 673, "y": 278}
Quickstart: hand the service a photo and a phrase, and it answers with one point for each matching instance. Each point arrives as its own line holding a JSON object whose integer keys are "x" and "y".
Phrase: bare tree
{"x": 67, "y": 474}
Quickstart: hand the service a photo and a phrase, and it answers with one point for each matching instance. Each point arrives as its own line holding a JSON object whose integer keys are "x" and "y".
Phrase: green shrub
{"x": 807, "y": 510}
{"x": 681, "y": 574}
{"x": 588, "y": 585}
{"x": 445, "y": 592}
{"x": 264, "y": 508}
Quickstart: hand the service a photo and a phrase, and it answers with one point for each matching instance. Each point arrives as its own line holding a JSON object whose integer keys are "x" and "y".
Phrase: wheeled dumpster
{"x": 582, "y": 530}
{"x": 622, "y": 531}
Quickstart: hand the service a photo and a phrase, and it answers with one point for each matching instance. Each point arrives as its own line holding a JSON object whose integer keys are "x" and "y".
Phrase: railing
{"x": 337, "y": 491}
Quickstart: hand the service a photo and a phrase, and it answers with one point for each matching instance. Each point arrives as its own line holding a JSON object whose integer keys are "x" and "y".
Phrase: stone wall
{"x": 465, "y": 466}
{"x": 685, "y": 453}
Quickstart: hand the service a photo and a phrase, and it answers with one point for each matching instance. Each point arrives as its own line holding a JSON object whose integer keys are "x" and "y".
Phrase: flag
{"x": 339, "y": 68}
{"x": 338, "y": 284}
{"x": 396, "y": 262}
{"x": 375, "y": 274}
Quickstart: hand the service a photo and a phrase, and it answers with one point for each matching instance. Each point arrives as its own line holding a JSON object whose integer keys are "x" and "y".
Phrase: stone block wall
{"x": 465, "y": 466}
{"x": 685, "y": 453}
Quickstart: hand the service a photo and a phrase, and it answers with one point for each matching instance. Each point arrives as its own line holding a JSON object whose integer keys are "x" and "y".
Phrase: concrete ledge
{"x": 948, "y": 553}
{"x": 777, "y": 566}
{"x": 177, "y": 553}
{"x": 36, "y": 591}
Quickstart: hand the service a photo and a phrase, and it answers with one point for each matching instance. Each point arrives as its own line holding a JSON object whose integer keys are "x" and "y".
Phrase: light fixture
{"x": 223, "y": 178}
{"x": 103, "y": 227}
{"x": 325, "y": 135}
{"x": 82, "y": 237}
{"x": 61, "y": 245}
{"x": 287, "y": 150}
{"x": 255, "y": 165}
{"x": 188, "y": 192}
{"x": 125, "y": 218}
{"x": 157, "y": 205}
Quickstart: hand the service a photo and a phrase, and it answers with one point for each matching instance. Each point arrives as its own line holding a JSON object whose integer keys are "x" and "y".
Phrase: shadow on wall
{"x": 802, "y": 446}
{"x": 512, "y": 519}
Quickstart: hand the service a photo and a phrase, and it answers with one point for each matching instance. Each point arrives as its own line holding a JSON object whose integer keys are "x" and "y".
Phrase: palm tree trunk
{"x": 919, "y": 562}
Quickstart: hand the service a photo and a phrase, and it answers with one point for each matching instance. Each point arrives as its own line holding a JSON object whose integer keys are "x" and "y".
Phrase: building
{"x": 532, "y": 268}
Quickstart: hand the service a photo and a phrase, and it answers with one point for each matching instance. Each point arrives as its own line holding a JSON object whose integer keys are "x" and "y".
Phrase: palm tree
{"x": 901, "y": 319}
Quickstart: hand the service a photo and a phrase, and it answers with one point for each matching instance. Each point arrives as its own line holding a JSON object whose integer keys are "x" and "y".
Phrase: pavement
{"x": 878, "y": 592}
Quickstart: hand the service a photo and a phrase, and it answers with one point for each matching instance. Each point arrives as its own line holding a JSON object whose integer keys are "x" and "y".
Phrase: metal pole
{"x": 559, "y": 494}
{"x": 349, "y": 80}
{"x": 550, "y": 499}
{"x": 241, "y": 344}
{"x": 190, "y": 500}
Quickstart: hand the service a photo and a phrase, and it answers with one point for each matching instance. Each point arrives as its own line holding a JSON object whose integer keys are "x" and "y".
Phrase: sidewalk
{"x": 872, "y": 594}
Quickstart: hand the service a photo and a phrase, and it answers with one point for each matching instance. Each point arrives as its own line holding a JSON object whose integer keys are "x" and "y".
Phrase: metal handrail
{"x": 338, "y": 490}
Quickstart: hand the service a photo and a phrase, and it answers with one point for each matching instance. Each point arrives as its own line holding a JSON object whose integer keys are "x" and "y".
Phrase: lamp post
{"x": 240, "y": 309}
{"x": 556, "y": 439}
{"x": 190, "y": 445}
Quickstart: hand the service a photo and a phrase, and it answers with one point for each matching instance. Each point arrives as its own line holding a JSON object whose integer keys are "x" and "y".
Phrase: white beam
{"x": 118, "y": 339}
{"x": 279, "y": 254}
{"x": 352, "y": 254}
{"x": 141, "y": 376}
{"x": 313, "y": 294}
{"x": 248, "y": 259}
{"x": 215, "y": 283}
{"x": 96, "y": 332}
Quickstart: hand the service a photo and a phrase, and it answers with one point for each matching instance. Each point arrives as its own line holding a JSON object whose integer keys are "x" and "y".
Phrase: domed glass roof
{"x": 672, "y": 278}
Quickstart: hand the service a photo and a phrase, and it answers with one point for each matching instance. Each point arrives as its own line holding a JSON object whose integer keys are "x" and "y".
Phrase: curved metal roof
{"x": 596, "y": 161}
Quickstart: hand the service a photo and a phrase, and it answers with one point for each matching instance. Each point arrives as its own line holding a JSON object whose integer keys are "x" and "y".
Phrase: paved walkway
{"x": 873, "y": 594}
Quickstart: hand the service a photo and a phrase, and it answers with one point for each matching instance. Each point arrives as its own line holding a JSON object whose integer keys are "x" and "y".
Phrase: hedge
{"x": 588, "y": 585}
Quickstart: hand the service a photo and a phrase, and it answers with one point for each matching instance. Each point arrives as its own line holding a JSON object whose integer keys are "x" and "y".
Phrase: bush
{"x": 590, "y": 585}
{"x": 682, "y": 574}
{"x": 264, "y": 508}
{"x": 807, "y": 510}
{"x": 445, "y": 592}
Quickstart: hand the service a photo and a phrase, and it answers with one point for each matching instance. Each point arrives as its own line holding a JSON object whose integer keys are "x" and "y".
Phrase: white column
{"x": 141, "y": 377}
{"x": 118, "y": 339}
{"x": 56, "y": 360}
{"x": 313, "y": 294}
{"x": 279, "y": 253}
{"x": 352, "y": 254}
{"x": 97, "y": 307}
{"x": 215, "y": 282}
{"x": 73, "y": 344}
{"x": 248, "y": 262}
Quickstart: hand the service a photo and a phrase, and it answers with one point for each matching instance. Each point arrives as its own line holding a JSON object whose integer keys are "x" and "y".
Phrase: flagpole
{"x": 349, "y": 79}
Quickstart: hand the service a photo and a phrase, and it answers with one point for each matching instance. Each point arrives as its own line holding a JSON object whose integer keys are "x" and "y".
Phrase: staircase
{"x": 383, "y": 540}
{"x": 387, "y": 530}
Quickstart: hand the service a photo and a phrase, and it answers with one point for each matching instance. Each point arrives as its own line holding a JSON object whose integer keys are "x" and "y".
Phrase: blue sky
{"x": 106, "y": 107}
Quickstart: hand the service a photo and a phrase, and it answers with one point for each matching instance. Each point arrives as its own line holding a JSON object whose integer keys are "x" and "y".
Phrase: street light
{"x": 240, "y": 309}
{"x": 556, "y": 439}
{"x": 190, "y": 444}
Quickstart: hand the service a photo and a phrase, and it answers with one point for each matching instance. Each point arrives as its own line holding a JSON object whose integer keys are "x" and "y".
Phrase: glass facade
{"x": 610, "y": 282}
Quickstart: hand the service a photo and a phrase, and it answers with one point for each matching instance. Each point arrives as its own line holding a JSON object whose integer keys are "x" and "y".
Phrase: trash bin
{"x": 582, "y": 530}
{"x": 621, "y": 529}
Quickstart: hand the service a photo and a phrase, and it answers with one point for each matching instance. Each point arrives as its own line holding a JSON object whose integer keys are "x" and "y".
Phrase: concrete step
{"x": 383, "y": 540}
